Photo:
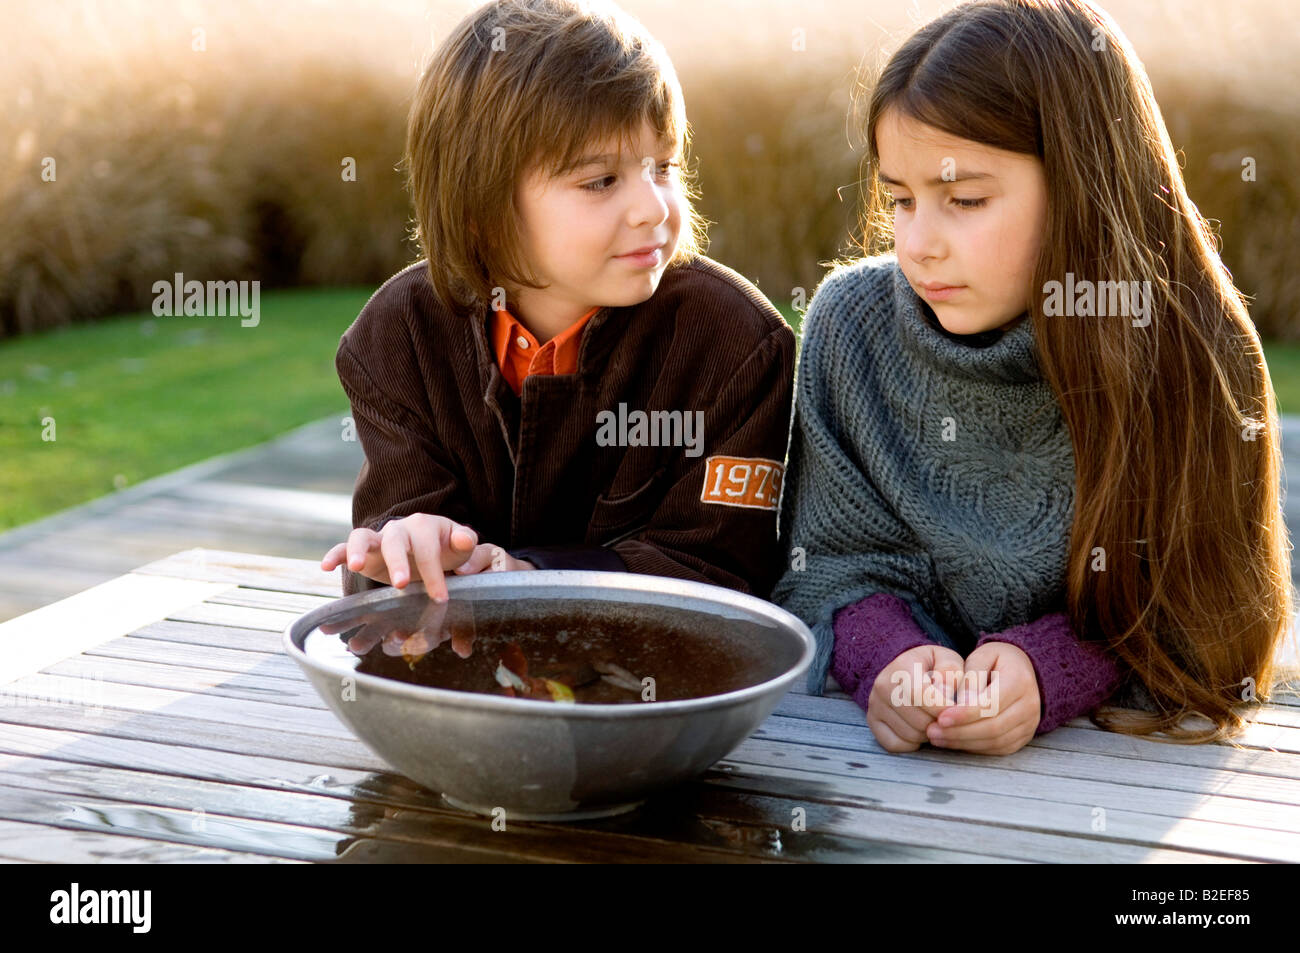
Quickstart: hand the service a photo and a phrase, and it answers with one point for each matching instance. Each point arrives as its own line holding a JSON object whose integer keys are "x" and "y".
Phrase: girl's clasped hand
{"x": 988, "y": 703}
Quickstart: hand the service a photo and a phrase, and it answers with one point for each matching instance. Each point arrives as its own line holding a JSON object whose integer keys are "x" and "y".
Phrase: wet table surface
{"x": 156, "y": 718}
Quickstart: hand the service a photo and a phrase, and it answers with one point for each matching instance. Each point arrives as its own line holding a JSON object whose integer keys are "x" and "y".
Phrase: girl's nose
{"x": 924, "y": 238}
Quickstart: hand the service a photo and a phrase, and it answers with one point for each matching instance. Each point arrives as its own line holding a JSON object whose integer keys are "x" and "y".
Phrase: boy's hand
{"x": 1010, "y": 692}
{"x": 902, "y": 727}
{"x": 489, "y": 558}
{"x": 437, "y": 543}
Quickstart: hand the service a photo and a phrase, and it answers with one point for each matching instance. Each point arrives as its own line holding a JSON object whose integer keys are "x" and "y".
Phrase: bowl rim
{"x": 550, "y": 579}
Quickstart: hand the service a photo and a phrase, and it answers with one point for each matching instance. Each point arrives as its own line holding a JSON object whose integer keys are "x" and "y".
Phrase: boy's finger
{"x": 360, "y": 542}
{"x": 394, "y": 546}
{"x": 479, "y": 560}
{"x": 334, "y": 556}
{"x": 431, "y": 560}
{"x": 462, "y": 538}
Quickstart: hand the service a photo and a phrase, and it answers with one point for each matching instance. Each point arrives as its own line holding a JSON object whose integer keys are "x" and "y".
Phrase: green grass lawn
{"x": 139, "y": 396}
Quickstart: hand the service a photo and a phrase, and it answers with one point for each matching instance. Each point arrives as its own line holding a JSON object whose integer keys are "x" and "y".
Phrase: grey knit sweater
{"x": 927, "y": 465}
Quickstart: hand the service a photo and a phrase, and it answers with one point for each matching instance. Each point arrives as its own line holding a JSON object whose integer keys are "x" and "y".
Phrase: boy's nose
{"x": 650, "y": 205}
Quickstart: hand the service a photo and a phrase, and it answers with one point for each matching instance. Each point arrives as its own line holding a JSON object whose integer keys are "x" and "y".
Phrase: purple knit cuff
{"x": 1074, "y": 676}
{"x": 869, "y": 634}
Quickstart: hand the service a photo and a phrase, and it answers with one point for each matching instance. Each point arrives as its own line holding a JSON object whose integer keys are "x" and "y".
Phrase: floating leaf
{"x": 508, "y": 678}
{"x": 559, "y": 691}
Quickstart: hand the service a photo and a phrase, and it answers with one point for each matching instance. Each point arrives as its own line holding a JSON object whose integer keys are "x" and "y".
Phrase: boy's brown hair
{"x": 520, "y": 85}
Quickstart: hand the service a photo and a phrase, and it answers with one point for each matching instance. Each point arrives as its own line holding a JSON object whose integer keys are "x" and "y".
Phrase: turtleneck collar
{"x": 1007, "y": 356}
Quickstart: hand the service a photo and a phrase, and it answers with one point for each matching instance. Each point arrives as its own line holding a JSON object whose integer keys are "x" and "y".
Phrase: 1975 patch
{"x": 751, "y": 482}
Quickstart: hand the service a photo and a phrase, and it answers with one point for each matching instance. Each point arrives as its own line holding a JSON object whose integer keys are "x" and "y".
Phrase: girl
{"x": 1036, "y": 447}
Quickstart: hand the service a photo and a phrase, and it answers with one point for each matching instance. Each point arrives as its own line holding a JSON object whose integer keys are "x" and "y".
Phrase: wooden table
{"x": 156, "y": 718}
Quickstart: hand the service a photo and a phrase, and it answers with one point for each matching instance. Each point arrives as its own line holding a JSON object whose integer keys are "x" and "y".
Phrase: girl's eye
{"x": 960, "y": 203}
{"x": 664, "y": 171}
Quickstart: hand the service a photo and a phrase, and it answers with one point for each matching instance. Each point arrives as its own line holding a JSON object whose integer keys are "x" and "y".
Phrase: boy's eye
{"x": 664, "y": 171}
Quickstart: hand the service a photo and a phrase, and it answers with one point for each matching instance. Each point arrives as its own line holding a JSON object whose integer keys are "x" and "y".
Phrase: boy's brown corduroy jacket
{"x": 444, "y": 434}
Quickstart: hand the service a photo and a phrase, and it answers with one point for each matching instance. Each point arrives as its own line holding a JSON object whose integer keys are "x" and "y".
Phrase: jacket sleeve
{"x": 1074, "y": 675}
{"x": 695, "y": 531}
{"x": 406, "y": 470}
{"x": 571, "y": 557}
{"x": 843, "y": 541}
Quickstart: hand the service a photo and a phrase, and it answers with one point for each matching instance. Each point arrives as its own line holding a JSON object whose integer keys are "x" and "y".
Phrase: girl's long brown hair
{"x": 1179, "y": 559}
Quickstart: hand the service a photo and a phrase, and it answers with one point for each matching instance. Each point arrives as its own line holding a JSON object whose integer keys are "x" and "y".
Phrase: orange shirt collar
{"x": 518, "y": 354}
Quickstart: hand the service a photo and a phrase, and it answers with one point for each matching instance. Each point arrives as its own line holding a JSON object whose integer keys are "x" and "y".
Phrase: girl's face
{"x": 966, "y": 215}
{"x": 580, "y": 228}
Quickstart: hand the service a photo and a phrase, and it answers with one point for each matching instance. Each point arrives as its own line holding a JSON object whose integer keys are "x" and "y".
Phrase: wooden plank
{"x": 996, "y": 777}
{"x": 845, "y": 711}
{"x": 84, "y": 812}
{"x": 239, "y": 617}
{"x": 264, "y": 641}
{"x": 396, "y": 792}
{"x": 161, "y": 652}
{"x": 30, "y": 843}
{"x": 294, "y": 824}
{"x": 101, "y": 613}
{"x": 1274, "y": 734}
{"x": 378, "y": 783}
{"x": 969, "y": 811}
{"x": 859, "y": 738}
{"x": 1033, "y": 760}
{"x": 1256, "y": 760}
{"x": 198, "y": 681}
{"x": 995, "y": 842}
{"x": 193, "y": 732}
{"x": 295, "y": 602}
{"x": 249, "y": 570}
{"x": 38, "y": 690}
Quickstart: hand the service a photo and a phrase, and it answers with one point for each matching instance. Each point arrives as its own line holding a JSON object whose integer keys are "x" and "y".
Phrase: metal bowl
{"x": 550, "y": 761}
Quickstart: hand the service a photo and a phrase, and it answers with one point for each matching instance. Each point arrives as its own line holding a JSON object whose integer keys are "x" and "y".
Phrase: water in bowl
{"x": 559, "y": 651}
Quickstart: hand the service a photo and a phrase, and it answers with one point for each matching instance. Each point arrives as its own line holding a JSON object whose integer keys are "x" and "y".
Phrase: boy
{"x": 564, "y": 381}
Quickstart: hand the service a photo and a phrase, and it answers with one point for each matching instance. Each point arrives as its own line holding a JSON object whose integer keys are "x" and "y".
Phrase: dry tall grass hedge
{"x": 225, "y": 163}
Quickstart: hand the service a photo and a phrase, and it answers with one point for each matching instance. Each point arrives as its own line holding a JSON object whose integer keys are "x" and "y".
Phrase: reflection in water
{"x": 563, "y": 651}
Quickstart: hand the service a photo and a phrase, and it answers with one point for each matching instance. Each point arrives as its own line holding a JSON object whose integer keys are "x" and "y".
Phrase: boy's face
{"x": 579, "y": 229}
{"x": 965, "y": 215}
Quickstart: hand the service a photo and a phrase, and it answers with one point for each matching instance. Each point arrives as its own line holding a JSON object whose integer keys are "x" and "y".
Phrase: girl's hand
{"x": 998, "y": 716}
{"x": 902, "y": 727}
{"x": 489, "y": 558}
{"x": 437, "y": 543}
